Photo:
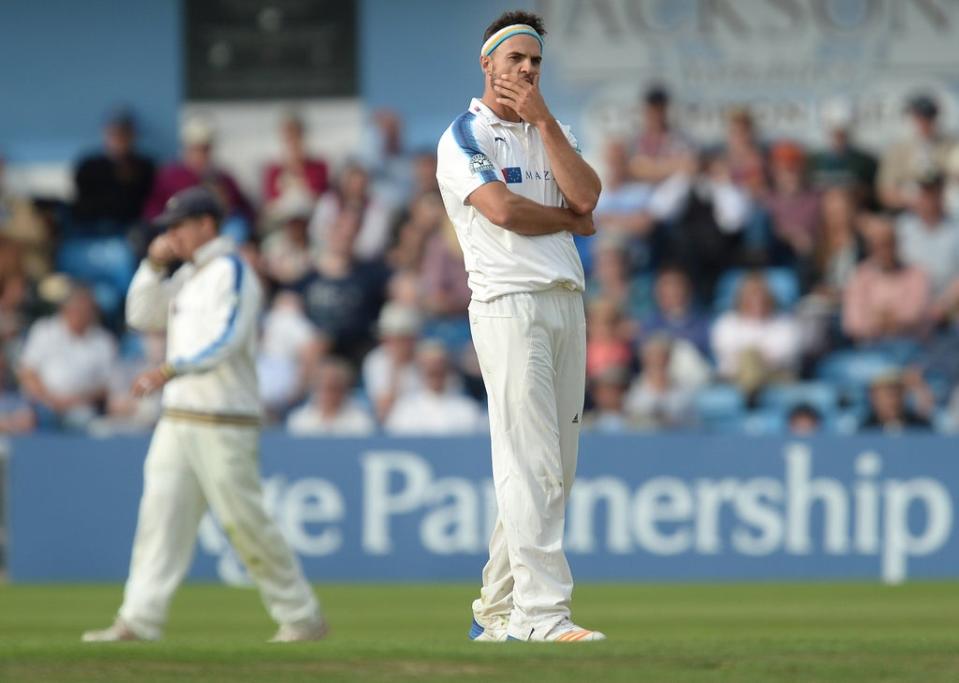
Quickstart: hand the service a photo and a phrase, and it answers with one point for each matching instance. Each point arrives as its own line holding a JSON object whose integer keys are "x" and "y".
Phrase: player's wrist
{"x": 168, "y": 371}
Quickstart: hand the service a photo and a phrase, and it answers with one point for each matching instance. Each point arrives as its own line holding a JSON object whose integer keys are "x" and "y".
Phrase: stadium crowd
{"x": 755, "y": 286}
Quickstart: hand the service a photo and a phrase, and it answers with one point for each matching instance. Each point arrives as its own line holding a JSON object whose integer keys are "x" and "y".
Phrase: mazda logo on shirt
{"x": 515, "y": 174}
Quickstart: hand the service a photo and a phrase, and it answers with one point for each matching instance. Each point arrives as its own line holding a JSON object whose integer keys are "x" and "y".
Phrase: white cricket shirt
{"x": 480, "y": 148}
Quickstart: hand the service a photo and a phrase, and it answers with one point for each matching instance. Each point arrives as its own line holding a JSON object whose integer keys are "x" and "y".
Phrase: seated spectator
{"x": 196, "y": 167}
{"x": 707, "y": 215}
{"x": 608, "y": 391}
{"x": 296, "y": 177}
{"x": 659, "y": 151}
{"x": 888, "y": 410}
{"x": 14, "y": 290}
{"x": 792, "y": 205}
{"x": 753, "y": 344}
{"x": 290, "y": 350}
{"x": 655, "y": 399}
{"x": 804, "y": 420}
{"x": 885, "y": 298}
{"x": 66, "y": 362}
{"x": 425, "y": 216}
{"x": 442, "y": 274}
{"x": 842, "y": 162}
{"x": 126, "y": 413}
{"x": 434, "y": 410}
{"x": 611, "y": 279}
{"x": 836, "y": 251}
{"x": 23, "y": 226}
{"x": 608, "y": 337}
{"x": 905, "y": 162}
{"x": 112, "y": 186}
{"x": 16, "y": 416}
{"x": 330, "y": 410}
{"x": 743, "y": 154}
{"x": 390, "y": 370}
{"x": 352, "y": 194}
{"x": 675, "y": 314}
{"x": 392, "y": 168}
{"x": 343, "y": 295}
{"x": 286, "y": 251}
{"x": 928, "y": 238}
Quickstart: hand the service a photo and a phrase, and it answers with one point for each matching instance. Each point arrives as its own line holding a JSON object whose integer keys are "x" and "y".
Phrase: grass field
{"x": 662, "y": 633}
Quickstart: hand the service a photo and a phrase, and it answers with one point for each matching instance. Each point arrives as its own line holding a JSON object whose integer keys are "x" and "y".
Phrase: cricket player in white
{"x": 517, "y": 190}
{"x": 204, "y": 450}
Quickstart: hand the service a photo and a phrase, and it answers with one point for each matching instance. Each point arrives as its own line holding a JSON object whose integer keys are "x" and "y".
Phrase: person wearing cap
{"x": 196, "y": 167}
{"x": 204, "y": 450}
{"x": 113, "y": 185}
{"x": 928, "y": 237}
{"x": 389, "y": 370}
{"x": 925, "y": 150}
{"x": 659, "y": 150}
{"x": 517, "y": 190}
{"x": 286, "y": 250}
{"x": 842, "y": 162}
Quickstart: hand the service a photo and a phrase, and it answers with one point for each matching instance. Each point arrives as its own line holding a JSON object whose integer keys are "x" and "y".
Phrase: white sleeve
{"x": 148, "y": 299}
{"x": 731, "y": 206}
{"x": 463, "y": 161}
{"x": 233, "y": 314}
{"x": 34, "y": 349}
{"x": 670, "y": 197}
{"x": 573, "y": 142}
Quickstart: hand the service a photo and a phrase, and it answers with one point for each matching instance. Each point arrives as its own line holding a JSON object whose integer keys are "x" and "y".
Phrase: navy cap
{"x": 121, "y": 117}
{"x": 189, "y": 203}
{"x": 656, "y": 95}
{"x": 923, "y": 105}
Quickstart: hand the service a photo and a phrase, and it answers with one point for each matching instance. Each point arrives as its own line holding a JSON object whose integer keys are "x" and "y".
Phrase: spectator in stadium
{"x": 442, "y": 274}
{"x": 390, "y": 370}
{"x": 836, "y": 249}
{"x": 885, "y": 299}
{"x": 424, "y": 217}
{"x": 343, "y": 295}
{"x": 951, "y": 192}
{"x": 296, "y": 176}
{"x": 803, "y": 420}
{"x": 196, "y": 167}
{"x": 112, "y": 185}
{"x": 929, "y": 239}
{"x": 14, "y": 291}
{"x": 290, "y": 350}
{"x": 926, "y": 150}
{"x": 676, "y": 314}
{"x": 655, "y": 400}
{"x": 754, "y": 344}
{"x": 608, "y": 336}
{"x": 659, "y": 151}
{"x": 126, "y": 413}
{"x": 743, "y": 154}
{"x": 889, "y": 411}
{"x": 707, "y": 214}
{"x": 24, "y": 227}
{"x": 435, "y": 409}
{"x": 16, "y": 416}
{"x": 286, "y": 255}
{"x": 330, "y": 410}
{"x": 352, "y": 194}
{"x": 791, "y": 203}
{"x": 65, "y": 366}
{"x": 842, "y": 162}
{"x": 608, "y": 393}
{"x": 611, "y": 279}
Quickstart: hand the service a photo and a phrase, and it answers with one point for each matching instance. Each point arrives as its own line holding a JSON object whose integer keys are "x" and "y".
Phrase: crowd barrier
{"x": 643, "y": 508}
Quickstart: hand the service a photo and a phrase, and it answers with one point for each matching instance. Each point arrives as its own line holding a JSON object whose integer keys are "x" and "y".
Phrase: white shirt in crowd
{"x": 933, "y": 250}
{"x": 480, "y": 148}
{"x": 378, "y": 369}
{"x": 776, "y": 338}
{"x": 731, "y": 206}
{"x": 431, "y": 414}
{"x": 286, "y": 333}
{"x": 66, "y": 363}
{"x": 351, "y": 420}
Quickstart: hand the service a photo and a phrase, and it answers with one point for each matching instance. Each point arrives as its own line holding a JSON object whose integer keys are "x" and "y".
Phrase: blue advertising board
{"x": 643, "y": 508}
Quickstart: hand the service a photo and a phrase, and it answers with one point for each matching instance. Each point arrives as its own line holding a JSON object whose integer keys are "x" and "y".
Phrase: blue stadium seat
{"x": 783, "y": 283}
{"x": 721, "y": 407}
{"x": 105, "y": 263}
{"x": 855, "y": 368}
{"x": 783, "y": 397}
{"x": 764, "y": 422}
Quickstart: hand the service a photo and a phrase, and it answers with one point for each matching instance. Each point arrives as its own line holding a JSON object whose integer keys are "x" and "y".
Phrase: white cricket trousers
{"x": 190, "y": 465}
{"x": 532, "y": 353}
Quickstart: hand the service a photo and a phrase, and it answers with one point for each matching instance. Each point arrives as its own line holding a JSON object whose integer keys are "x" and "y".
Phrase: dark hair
{"x": 515, "y": 17}
{"x": 804, "y": 410}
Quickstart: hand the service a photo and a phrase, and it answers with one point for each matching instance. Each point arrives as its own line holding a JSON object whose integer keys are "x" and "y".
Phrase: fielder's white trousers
{"x": 190, "y": 465}
{"x": 532, "y": 353}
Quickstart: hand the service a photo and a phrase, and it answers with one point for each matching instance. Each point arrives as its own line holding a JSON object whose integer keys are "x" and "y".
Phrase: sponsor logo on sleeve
{"x": 480, "y": 163}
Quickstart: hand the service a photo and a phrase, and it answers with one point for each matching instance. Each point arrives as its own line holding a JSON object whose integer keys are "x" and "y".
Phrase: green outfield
{"x": 663, "y": 633}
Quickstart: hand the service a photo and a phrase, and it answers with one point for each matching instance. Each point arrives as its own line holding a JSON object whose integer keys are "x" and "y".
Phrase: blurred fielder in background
{"x": 517, "y": 190}
{"x": 204, "y": 449}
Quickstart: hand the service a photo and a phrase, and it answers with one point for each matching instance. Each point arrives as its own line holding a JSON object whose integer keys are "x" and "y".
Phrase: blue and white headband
{"x": 508, "y": 32}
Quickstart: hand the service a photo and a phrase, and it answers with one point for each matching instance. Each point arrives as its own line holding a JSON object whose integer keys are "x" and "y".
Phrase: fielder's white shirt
{"x": 480, "y": 148}
{"x": 209, "y": 309}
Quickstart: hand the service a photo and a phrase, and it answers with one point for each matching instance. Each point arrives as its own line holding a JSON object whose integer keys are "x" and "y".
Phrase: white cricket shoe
{"x": 118, "y": 632}
{"x": 301, "y": 631}
{"x": 565, "y": 632}
{"x": 493, "y": 630}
